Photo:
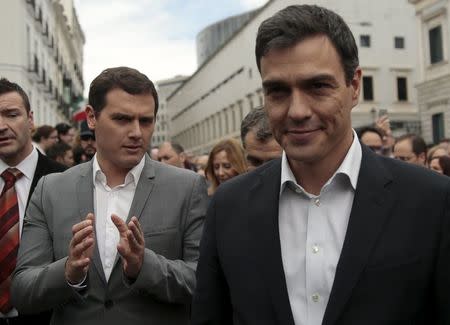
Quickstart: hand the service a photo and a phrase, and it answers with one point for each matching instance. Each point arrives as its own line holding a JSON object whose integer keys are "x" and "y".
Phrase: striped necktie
{"x": 9, "y": 234}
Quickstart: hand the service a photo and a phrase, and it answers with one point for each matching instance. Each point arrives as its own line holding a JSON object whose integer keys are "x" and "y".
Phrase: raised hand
{"x": 81, "y": 248}
{"x": 131, "y": 245}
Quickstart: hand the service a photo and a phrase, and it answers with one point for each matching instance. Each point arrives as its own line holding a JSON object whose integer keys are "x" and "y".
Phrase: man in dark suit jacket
{"x": 331, "y": 233}
{"x": 17, "y": 151}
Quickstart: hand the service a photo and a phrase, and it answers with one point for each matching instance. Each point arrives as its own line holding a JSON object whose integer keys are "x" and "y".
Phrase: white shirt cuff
{"x": 78, "y": 286}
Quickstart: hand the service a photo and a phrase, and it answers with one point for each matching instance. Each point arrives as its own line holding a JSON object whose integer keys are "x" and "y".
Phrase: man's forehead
{"x": 119, "y": 100}
{"x": 11, "y": 100}
{"x": 312, "y": 56}
{"x": 253, "y": 143}
{"x": 405, "y": 144}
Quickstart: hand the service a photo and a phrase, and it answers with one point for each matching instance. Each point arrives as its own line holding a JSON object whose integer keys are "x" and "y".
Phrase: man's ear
{"x": 183, "y": 157}
{"x": 31, "y": 120}
{"x": 355, "y": 84}
{"x": 90, "y": 116}
{"x": 422, "y": 157}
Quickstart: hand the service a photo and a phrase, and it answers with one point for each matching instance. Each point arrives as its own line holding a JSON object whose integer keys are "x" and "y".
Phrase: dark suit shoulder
{"x": 269, "y": 173}
{"x": 413, "y": 175}
{"x": 50, "y": 165}
{"x": 44, "y": 166}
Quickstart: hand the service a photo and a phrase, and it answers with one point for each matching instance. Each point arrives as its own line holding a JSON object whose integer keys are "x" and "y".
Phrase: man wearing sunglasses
{"x": 87, "y": 141}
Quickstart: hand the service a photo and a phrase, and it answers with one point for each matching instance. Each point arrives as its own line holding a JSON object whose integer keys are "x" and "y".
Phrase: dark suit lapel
{"x": 44, "y": 166}
{"x": 39, "y": 172}
{"x": 371, "y": 205}
{"x": 263, "y": 223}
{"x": 85, "y": 197}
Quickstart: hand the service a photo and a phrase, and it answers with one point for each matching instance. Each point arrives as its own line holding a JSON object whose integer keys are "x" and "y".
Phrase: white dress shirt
{"x": 109, "y": 201}
{"x": 312, "y": 231}
{"x": 22, "y": 186}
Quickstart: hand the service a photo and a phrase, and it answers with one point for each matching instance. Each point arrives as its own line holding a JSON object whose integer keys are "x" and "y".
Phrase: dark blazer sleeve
{"x": 442, "y": 284}
{"x": 44, "y": 167}
{"x": 211, "y": 302}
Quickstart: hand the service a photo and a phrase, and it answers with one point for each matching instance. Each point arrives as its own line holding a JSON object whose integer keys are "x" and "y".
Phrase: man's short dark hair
{"x": 178, "y": 148}
{"x": 44, "y": 131}
{"x": 63, "y": 128}
{"x": 257, "y": 121}
{"x": 372, "y": 129}
{"x": 128, "y": 79}
{"x": 418, "y": 143}
{"x": 7, "y": 86}
{"x": 295, "y": 23}
{"x": 59, "y": 149}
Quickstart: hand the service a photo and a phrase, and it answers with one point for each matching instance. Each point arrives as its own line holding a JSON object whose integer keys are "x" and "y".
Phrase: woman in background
{"x": 226, "y": 160}
{"x": 441, "y": 165}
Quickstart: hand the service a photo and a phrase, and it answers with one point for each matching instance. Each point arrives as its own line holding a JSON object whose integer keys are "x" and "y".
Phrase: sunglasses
{"x": 87, "y": 137}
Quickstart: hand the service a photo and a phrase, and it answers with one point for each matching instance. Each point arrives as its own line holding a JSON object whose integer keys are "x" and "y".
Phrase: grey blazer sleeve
{"x": 38, "y": 282}
{"x": 174, "y": 281}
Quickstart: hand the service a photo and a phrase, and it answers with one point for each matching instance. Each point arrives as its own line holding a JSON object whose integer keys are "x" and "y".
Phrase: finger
{"x": 123, "y": 250}
{"x": 83, "y": 224}
{"x": 135, "y": 221}
{"x": 120, "y": 224}
{"x": 82, "y": 247}
{"x": 81, "y": 263}
{"x": 133, "y": 242}
{"x": 137, "y": 232}
{"x": 81, "y": 234}
{"x": 90, "y": 216}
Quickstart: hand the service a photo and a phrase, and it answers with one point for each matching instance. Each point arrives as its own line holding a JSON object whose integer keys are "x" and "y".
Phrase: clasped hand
{"x": 131, "y": 245}
{"x": 131, "y": 248}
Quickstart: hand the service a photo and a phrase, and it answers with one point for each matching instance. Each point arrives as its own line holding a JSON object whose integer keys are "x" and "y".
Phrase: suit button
{"x": 109, "y": 304}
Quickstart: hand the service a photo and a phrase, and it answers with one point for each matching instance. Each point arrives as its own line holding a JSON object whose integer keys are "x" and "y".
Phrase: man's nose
{"x": 300, "y": 106}
{"x": 3, "y": 126}
{"x": 135, "y": 131}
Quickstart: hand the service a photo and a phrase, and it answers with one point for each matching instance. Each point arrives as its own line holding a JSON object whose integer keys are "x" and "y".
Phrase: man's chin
{"x": 301, "y": 155}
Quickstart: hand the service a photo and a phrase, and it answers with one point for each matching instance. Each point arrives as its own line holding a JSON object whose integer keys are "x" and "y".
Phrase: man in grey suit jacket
{"x": 115, "y": 239}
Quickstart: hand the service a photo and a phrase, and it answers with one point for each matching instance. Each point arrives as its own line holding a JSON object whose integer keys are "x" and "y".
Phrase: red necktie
{"x": 9, "y": 234}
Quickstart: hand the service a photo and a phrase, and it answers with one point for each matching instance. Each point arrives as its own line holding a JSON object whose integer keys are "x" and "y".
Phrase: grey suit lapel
{"x": 142, "y": 194}
{"x": 85, "y": 197}
{"x": 143, "y": 189}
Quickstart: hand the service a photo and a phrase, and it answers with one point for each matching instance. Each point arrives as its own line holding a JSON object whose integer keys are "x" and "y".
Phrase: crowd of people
{"x": 301, "y": 221}
{"x": 229, "y": 157}
{"x": 64, "y": 143}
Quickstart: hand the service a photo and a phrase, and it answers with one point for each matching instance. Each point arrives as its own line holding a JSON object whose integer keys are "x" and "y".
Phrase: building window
{"x": 402, "y": 89}
{"x": 399, "y": 42}
{"x": 368, "y": 88}
{"x": 438, "y": 127}
{"x": 364, "y": 40}
{"x": 436, "y": 46}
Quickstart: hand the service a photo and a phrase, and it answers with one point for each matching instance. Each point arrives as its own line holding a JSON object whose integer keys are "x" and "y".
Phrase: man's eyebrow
{"x": 9, "y": 109}
{"x": 323, "y": 77}
{"x": 273, "y": 83}
{"x": 119, "y": 114}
